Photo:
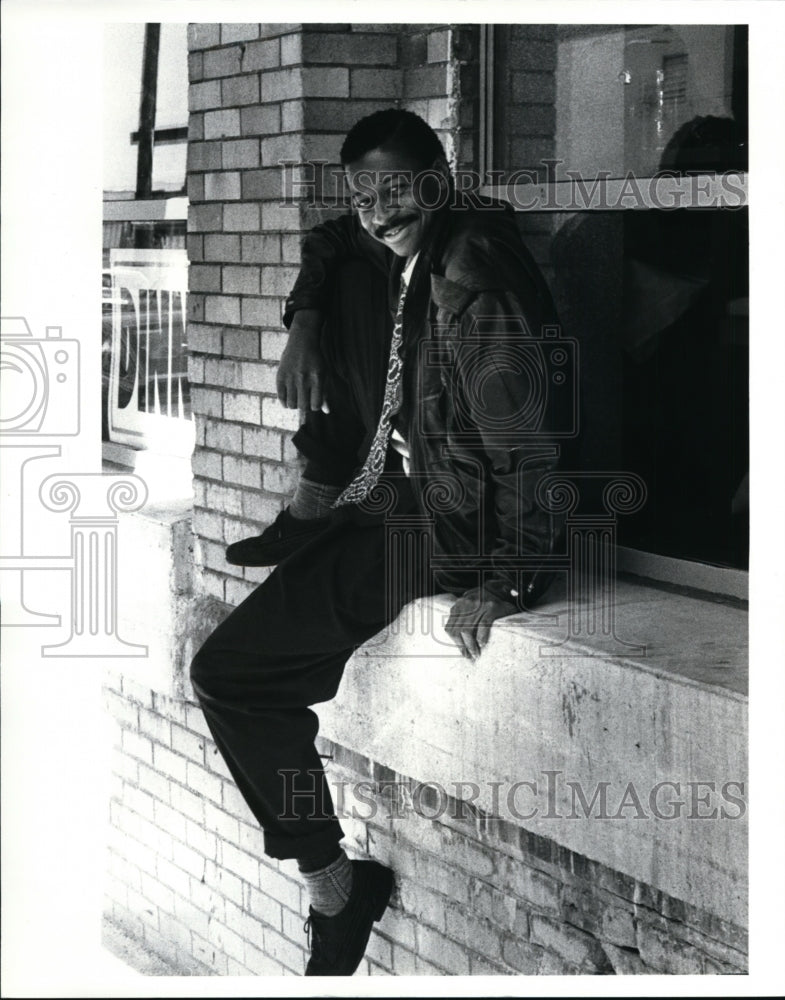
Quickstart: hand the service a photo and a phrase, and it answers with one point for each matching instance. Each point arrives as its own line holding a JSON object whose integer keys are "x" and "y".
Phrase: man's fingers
{"x": 462, "y": 628}
{"x": 469, "y": 636}
{"x": 316, "y": 397}
{"x": 484, "y": 632}
{"x": 282, "y": 386}
{"x": 300, "y": 392}
{"x": 453, "y": 631}
{"x": 470, "y": 620}
{"x": 289, "y": 397}
{"x": 300, "y": 376}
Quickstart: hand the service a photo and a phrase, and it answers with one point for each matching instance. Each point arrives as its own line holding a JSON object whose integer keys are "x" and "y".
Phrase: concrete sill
{"x": 593, "y": 714}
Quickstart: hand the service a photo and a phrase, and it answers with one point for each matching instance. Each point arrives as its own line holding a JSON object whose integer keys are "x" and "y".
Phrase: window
{"x": 625, "y": 151}
{"x": 605, "y": 98}
{"x": 146, "y": 395}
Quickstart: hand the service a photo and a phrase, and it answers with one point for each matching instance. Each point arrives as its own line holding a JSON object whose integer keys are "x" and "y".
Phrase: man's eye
{"x": 362, "y": 201}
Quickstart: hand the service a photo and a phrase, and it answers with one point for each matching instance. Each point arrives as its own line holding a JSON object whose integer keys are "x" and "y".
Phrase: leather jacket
{"x": 480, "y": 415}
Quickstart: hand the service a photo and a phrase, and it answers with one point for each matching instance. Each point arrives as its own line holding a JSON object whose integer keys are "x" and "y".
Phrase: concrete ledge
{"x": 155, "y": 587}
{"x": 618, "y": 724}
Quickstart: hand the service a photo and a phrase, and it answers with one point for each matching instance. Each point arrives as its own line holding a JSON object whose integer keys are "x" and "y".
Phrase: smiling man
{"x": 419, "y": 322}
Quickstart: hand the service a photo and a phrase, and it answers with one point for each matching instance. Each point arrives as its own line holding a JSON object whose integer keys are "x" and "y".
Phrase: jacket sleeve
{"x": 505, "y": 387}
{"x": 323, "y": 249}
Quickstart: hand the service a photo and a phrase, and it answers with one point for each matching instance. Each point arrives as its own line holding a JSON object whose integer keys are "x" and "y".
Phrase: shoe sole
{"x": 269, "y": 553}
{"x": 381, "y": 898}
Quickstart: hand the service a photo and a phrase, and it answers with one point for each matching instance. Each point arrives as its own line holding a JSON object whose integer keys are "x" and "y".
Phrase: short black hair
{"x": 392, "y": 129}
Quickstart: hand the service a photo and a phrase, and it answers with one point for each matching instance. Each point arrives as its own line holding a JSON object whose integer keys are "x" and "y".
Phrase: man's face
{"x": 395, "y": 200}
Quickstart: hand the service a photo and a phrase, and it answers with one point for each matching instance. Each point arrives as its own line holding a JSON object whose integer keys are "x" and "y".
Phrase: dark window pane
{"x": 658, "y": 302}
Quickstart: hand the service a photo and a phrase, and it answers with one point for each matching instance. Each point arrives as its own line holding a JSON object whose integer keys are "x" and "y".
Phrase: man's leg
{"x": 281, "y": 651}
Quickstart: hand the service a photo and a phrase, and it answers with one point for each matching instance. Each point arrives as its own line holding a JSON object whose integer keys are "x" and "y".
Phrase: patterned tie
{"x": 368, "y": 476}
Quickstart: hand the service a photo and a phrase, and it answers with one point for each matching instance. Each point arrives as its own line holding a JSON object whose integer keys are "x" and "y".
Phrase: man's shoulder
{"x": 479, "y": 233}
{"x": 481, "y": 251}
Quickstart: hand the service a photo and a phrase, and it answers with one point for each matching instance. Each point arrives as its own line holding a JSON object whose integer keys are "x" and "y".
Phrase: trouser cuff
{"x": 282, "y": 847}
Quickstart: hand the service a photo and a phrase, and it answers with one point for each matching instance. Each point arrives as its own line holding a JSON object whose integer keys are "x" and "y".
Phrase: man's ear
{"x": 440, "y": 165}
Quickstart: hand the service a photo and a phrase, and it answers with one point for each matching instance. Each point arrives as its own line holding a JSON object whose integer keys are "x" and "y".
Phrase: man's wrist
{"x": 498, "y": 590}
{"x": 306, "y": 322}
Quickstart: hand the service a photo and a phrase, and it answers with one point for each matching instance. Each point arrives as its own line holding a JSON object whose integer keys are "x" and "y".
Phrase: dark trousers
{"x": 284, "y": 648}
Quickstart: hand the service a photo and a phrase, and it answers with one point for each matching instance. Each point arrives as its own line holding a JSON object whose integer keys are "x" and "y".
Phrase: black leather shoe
{"x": 285, "y": 535}
{"x": 338, "y": 943}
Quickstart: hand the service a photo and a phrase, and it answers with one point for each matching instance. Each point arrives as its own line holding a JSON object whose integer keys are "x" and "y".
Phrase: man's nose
{"x": 384, "y": 209}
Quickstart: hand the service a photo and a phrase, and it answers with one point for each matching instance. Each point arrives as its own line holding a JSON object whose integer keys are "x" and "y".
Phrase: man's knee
{"x": 205, "y": 668}
{"x": 221, "y": 672}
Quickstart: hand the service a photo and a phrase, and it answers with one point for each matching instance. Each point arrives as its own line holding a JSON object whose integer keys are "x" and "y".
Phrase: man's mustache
{"x": 381, "y": 231}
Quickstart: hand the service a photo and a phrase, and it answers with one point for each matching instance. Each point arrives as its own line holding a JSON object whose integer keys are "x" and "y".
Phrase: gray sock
{"x": 313, "y": 500}
{"x": 329, "y": 887}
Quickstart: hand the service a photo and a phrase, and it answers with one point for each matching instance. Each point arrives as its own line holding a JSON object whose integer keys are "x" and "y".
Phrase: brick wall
{"x": 440, "y": 83}
{"x": 525, "y": 91}
{"x": 189, "y": 878}
{"x": 525, "y": 119}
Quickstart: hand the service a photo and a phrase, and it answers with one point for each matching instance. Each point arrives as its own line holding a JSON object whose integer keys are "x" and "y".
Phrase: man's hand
{"x": 471, "y": 617}
{"x": 300, "y": 378}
